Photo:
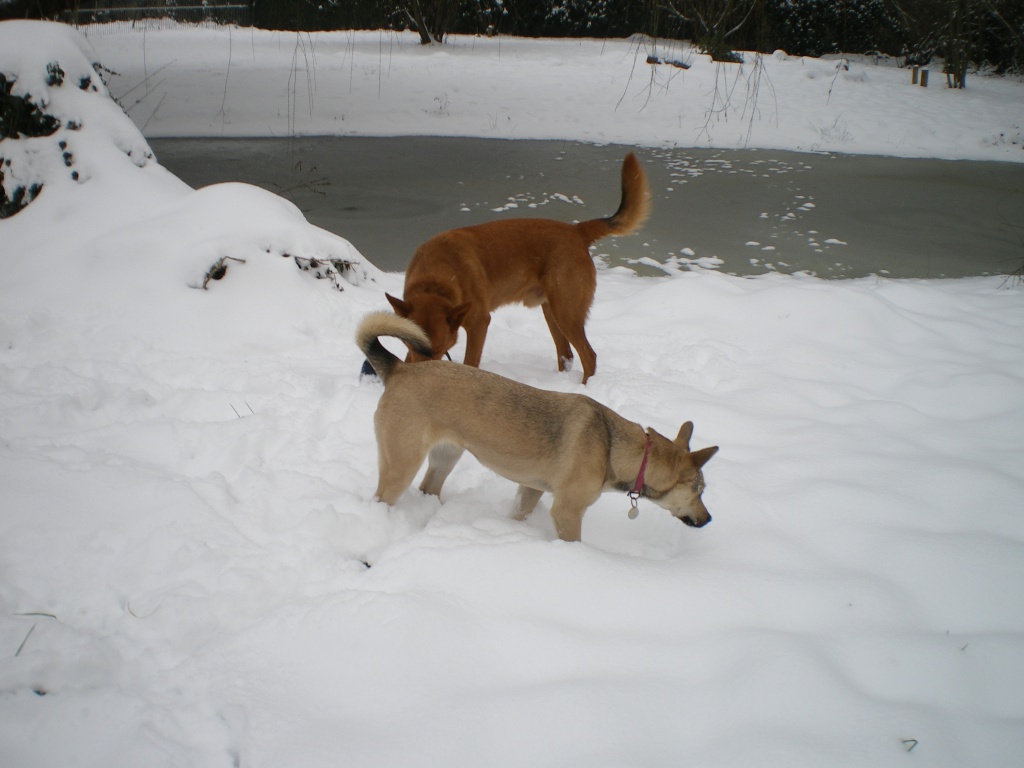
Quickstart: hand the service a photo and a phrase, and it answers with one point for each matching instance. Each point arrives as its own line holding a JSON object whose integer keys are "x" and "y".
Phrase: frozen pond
{"x": 755, "y": 210}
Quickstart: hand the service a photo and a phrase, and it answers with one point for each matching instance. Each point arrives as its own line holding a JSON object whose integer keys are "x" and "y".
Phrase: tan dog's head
{"x": 437, "y": 317}
{"x": 680, "y": 474}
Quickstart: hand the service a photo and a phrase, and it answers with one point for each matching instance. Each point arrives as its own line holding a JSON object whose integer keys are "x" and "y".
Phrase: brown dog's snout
{"x": 693, "y": 523}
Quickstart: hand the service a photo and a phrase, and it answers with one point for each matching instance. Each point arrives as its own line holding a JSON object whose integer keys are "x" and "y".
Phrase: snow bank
{"x": 183, "y": 81}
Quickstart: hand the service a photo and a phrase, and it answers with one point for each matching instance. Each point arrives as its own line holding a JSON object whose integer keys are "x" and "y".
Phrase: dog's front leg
{"x": 567, "y": 514}
{"x": 476, "y": 334}
{"x": 441, "y": 462}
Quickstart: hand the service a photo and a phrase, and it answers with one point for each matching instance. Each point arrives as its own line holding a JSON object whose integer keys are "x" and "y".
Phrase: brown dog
{"x": 457, "y": 278}
{"x": 565, "y": 443}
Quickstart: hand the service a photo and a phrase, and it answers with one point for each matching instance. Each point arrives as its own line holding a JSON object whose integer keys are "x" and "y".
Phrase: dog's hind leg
{"x": 443, "y": 458}
{"x": 526, "y": 500}
{"x": 588, "y": 357}
{"x": 397, "y": 463}
{"x": 571, "y": 322}
{"x": 568, "y": 303}
{"x": 562, "y": 348}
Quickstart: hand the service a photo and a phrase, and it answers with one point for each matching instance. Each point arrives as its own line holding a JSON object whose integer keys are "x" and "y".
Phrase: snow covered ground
{"x": 186, "y": 474}
{"x": 238, "y": 82}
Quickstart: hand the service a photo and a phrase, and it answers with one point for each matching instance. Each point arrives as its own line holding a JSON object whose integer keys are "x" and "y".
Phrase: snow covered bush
{"x": 42, "y": 103}
{"x": 20, "y": 118}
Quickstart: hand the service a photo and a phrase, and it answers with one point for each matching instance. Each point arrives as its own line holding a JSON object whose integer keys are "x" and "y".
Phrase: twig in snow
{"x": 227, "y": 74}
{"x": 219, "y": 269}
{"x": 153, "y": 113}
{"x": 33, "y": 627}
{"x": 843, "y": 64}
{"x": 251, "y": 411}
{"x": 144, "y": 82}
{"x": 27, "y": 636}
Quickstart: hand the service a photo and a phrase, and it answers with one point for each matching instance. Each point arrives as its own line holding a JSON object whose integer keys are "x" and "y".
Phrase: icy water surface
{"x": 741, "y": 211}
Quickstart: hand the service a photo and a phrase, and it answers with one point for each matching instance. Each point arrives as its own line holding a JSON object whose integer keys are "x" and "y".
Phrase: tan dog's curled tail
{"x": 378, "y": 324}
{"x": 634, "y": 207}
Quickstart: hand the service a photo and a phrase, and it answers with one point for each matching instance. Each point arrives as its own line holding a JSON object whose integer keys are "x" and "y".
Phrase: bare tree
{"x": 432, "y": 19}
{"x": 713, "y": 22}
{"x": 965, "y": 32}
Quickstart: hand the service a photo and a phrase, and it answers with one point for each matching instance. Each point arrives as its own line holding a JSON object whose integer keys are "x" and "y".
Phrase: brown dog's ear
{"x": 457, "y": 314}
{"x": 683, "y": 438}
{"x": 401, "y": 307}
{"x": 701, "y": 457}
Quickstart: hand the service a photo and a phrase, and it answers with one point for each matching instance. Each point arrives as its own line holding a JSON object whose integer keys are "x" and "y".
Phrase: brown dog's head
{"x": 679, "y": 473}
{"x": 438, "y": 318}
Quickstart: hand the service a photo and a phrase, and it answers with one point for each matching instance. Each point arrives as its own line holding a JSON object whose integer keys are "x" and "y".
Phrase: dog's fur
{"x": 565, "y": 443}
{"x": 457, "y": 278}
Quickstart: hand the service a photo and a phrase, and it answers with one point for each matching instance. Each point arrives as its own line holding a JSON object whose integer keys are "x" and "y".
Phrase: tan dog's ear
{"x": 401, "y": 307}
{"x": 457, "y": 314}
{"x": 683, "y": 438}
{"x": 701, "y": 457}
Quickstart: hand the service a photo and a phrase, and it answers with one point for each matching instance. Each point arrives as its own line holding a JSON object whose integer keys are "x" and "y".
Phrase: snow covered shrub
{"x": 21, "y": 196}
{"x": 49, "y": 82}
{"x": 24, "y": 117}
{"x": 20, "y": 117}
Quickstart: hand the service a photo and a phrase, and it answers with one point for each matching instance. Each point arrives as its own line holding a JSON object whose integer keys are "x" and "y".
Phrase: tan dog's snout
{"x": 699, "y": 515}
{"x": 698, "y": 522}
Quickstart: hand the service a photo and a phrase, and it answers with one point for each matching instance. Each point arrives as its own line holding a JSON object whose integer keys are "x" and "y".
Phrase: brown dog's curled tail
{"x": 378, "y": 324}
{"x": 634, "y": 207}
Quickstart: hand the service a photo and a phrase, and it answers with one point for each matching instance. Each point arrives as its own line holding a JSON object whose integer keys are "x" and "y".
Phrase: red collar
{"x": 639, "y": 484}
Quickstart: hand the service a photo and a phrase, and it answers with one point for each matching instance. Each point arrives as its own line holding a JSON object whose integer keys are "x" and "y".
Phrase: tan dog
{"x": 457, "y": 278}
{"x": 564, "y": 443}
